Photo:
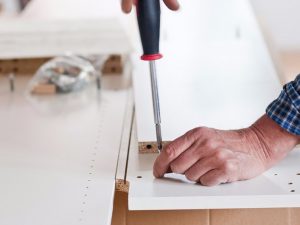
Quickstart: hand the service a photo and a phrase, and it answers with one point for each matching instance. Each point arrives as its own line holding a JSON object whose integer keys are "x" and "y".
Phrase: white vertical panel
{"x": 58, "y": 156}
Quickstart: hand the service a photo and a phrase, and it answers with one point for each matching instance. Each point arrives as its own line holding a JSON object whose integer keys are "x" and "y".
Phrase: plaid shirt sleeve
{"x": 285, "y": 110}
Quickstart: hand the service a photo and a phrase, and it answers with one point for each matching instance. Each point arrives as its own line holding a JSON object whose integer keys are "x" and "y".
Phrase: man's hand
{"x": 127, "y": 5}
{"x": 211, "y": 157}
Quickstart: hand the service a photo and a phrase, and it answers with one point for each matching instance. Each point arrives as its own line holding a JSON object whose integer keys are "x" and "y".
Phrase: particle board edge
{"x": 150, "y": 146}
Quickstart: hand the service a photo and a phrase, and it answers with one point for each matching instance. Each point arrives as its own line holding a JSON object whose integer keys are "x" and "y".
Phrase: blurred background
{"x": 278, "y": 21}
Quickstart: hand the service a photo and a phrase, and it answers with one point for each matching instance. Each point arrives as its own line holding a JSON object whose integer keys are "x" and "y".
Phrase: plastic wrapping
{"x": 63, "y": 74}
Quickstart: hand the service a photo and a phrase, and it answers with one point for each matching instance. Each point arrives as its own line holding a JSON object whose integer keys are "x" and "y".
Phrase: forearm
{"x": 276, "y": 141}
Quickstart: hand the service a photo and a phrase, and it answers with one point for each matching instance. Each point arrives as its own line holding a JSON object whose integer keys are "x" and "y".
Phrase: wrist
{"x": 274, "y": 140}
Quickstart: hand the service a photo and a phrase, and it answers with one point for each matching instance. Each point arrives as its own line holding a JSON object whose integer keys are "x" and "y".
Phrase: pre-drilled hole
{"x": 139, "y": 177}
{"x": 290, "y": 183}
{"x": 298, "y": 174}
{"x": 149, "y": 146}
{"x": 292, "y": 190}
{"x": 275, "y": 174}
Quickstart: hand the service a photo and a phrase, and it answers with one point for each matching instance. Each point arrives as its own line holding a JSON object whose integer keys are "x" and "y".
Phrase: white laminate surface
{"x": 58, "y": 156}
{"x": 277, "y": 188}
{"x": 216, "y": 71}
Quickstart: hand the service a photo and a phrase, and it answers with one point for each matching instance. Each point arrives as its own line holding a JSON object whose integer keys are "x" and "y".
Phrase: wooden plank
{"x": 58, "y": 155}
{"x": 221, "y": 78}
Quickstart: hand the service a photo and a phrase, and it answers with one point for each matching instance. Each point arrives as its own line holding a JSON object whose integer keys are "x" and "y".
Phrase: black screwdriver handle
{"x": 148, "y": 16}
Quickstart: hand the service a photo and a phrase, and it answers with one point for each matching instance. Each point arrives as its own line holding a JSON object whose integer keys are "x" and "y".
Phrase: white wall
{"x": 281, "y": 18}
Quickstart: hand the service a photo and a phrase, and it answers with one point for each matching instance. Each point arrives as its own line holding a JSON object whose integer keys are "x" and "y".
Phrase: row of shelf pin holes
{"x": 91, "y": 167}
{"x": 290, "y": 183}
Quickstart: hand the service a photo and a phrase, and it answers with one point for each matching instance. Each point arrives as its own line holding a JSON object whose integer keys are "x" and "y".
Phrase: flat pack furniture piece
{"x": 34, "y": 38}
{"x": 58, "y": 155}
{"x": 48, "y": 28}
{"x": 225, "y": 82}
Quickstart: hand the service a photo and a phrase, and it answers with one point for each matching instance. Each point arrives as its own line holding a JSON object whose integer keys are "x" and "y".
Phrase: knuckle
{"x": 229, "y": 167}
{"x": 209, "y": 144}
{"x": 200, "y": 131}
{"x": 197, "y": 134}
{"x": 220, "y": 155}
{"x": 170, "y": 151}
{"x": 196, "y": 131}
{"x": 191, "y": 135}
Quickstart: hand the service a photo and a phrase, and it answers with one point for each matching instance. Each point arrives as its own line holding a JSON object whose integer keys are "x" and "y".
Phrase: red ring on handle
{"x": 151, "y": 57}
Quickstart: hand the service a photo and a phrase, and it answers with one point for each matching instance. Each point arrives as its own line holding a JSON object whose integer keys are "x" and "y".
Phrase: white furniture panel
{"x": 277, "y": 188}
{"x": 222, "y": 76}
{"x": 216, "y": 72}
{"x": 58, "y": 156}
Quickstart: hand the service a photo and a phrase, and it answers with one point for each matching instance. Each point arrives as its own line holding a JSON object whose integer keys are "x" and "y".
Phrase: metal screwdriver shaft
{"x": 148, "y": 15}
{"x": 156, "y": 106}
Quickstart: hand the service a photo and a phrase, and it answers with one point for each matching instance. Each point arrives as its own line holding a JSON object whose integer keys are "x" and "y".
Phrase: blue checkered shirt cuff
{"x": 285, "y": 110}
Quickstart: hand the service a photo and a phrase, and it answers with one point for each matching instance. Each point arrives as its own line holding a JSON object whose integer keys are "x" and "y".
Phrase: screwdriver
{"x": 148, "y": 16}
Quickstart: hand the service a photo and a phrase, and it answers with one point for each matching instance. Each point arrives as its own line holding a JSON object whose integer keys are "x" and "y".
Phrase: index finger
{"x": 171, "y": 152}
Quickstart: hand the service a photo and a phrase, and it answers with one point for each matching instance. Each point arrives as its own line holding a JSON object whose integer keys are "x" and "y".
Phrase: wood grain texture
{"x": 222, "y": 78}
